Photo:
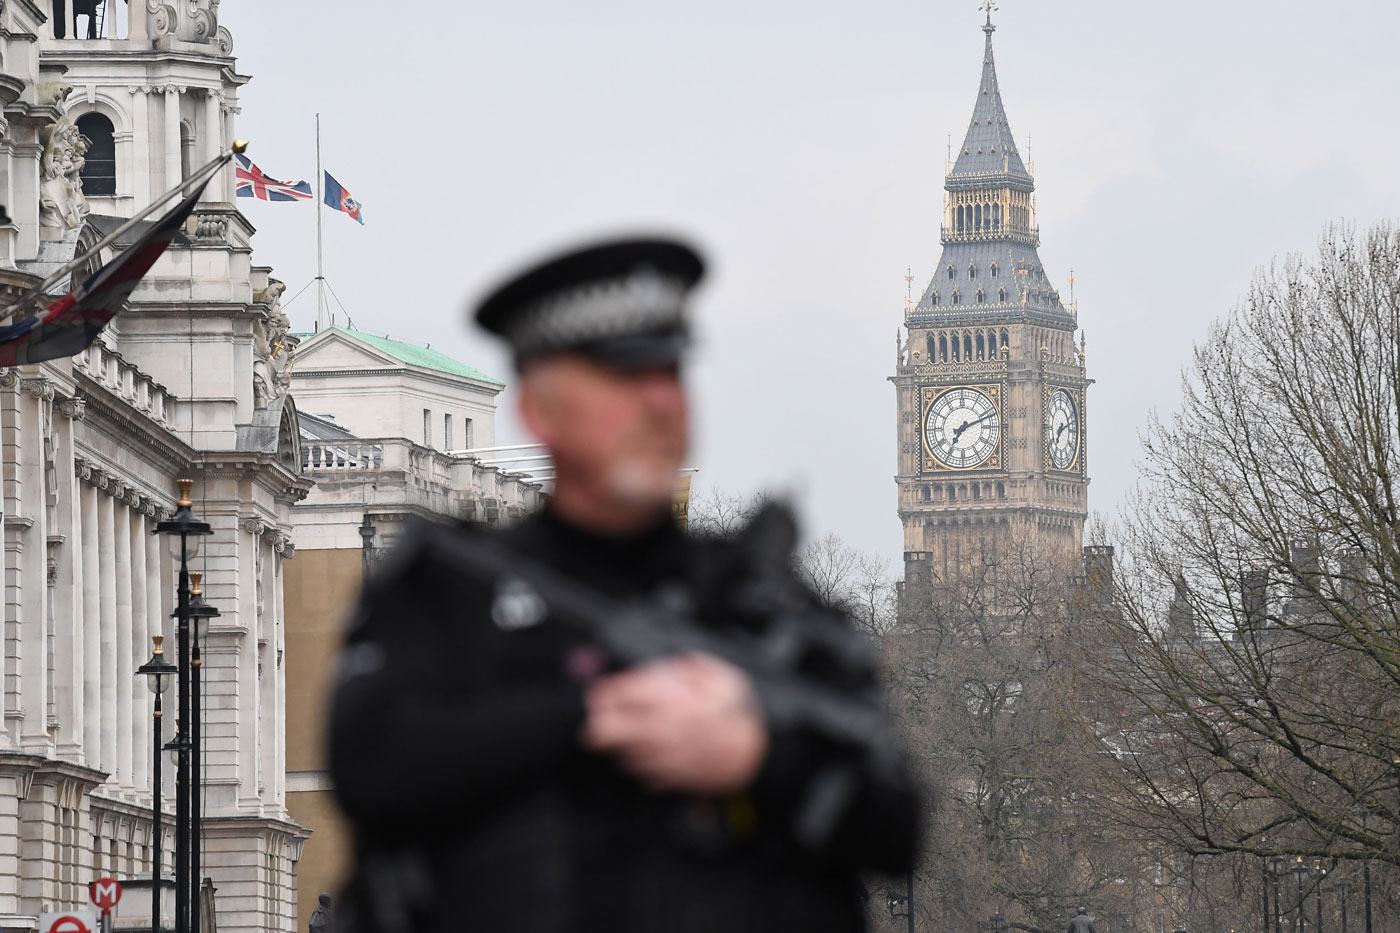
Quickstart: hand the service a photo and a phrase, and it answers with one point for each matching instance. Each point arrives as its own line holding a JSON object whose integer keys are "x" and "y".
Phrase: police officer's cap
{"x": 621, "y": 302}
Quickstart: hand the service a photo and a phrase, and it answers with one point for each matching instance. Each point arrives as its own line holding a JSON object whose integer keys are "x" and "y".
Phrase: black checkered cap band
{"x": 642, "y": 302}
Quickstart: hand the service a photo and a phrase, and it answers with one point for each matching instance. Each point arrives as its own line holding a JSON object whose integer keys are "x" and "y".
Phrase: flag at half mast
{"x": 339, "y": 199}
{"x": 253, "y": 182}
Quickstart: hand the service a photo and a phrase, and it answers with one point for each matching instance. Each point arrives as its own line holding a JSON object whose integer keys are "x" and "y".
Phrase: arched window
{"x": 981, "y": 347}
{"x": 957, "y": 299}
{"x": 960, "y": 218}
{"x": 928, "y": 346}
{"x": 933, "y": 298}
{"x": 967, "y": 346}
{"x": 972, "y": 270}
{"x": 994, "y": 270}
{"x": 942, "y": 348}
{"x": 952, "y": 494}
{"x": 99, "y": 172}
{"x": 980, "y": 296}
{"x": 977, "y": 217}
{"x": 1001, "y": 490}
{"x": 996, "y": 216}
{"x": 1001, "y": 296}
{"x": 925, "y": 494}
{"x": 951, "y": 273}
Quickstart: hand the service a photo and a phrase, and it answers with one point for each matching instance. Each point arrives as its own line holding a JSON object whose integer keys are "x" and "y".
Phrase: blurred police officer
{"x": 505, "y": 778}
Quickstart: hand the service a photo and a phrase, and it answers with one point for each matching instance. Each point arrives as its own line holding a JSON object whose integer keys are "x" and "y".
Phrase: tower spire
{"x": 991, "y": 7}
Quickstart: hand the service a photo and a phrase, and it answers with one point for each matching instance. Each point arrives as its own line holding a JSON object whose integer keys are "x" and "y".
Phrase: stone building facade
{"x": 990, "y": 381}
{"x": 365, "y": 398}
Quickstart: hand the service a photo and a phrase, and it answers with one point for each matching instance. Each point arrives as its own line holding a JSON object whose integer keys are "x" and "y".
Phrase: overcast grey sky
{"x": 1177, "y": 147}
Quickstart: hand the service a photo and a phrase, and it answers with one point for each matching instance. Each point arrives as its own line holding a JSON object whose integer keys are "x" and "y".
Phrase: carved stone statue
{"x": 272, "y": 349}
{"x": 321, "y": 916}
{"x": 61, "y": 201}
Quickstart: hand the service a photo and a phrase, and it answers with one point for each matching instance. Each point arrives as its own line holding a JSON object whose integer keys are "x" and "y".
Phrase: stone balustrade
{"x": 112, "y": 372}
{"x": 430, "y": 480}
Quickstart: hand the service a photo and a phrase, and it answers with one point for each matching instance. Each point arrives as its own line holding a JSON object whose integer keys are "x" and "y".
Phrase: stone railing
{"x": 416, "y": 476}
{"x": 108, "y": 369}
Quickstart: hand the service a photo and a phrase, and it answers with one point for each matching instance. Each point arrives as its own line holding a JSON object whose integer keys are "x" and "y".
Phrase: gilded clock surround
{"x": 930, "y": 395}
{"x": 1076, "y": 395}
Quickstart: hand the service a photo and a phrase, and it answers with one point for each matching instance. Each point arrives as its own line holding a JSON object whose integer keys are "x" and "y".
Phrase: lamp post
{"x": 184, "y": 532}
{"x": 1343, "y": 889}
{"x": 1275, "y": 863}
{"x": 894, "y": 900}
{"x": 199, "y": 612}
{"x": 1267, "y": 848}
{"x": 1300, "y": 870}
{"x": 1320, "y": 874}
{"x": 159, "y": 674}
{"x": 998, "y": 922}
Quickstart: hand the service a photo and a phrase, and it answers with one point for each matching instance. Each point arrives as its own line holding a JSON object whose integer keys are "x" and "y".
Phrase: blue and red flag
{"x": 339, "y": 199}
{"x": 72, "y": 323}
{"x": 252, "y": 182}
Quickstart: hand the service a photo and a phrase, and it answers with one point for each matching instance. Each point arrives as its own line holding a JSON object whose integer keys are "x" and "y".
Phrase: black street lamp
{"x": 159, "y": 674}
{"x": 1300, "y": 870}
{"x": 184, "y": 532}
{"x": 1343, "y": 887}
{"x": 200, "y": 612}
{"x": 894, "y": 901}
{"x": 1267, "y": 848}
{"x": 1275, "y": 863}
{"x": 1320, "y": 874}
{"x": 998, "y": 922}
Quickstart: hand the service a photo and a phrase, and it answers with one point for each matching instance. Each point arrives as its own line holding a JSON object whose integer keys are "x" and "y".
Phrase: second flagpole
{"x": 320, "y": 273}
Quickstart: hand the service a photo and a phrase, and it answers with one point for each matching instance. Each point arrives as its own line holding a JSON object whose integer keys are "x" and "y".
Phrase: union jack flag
{"x": 72, "y": 323}
{"x": 252, "y": 183}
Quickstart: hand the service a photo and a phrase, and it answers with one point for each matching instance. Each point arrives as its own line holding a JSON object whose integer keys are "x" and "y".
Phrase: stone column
{"x": 213, "y": 144}
{"x": 107, "y": 619}
{"x": 140, "y": 162}
{"x": 92, "y": 629}
{"x": 173, "y": 173}
{"x": 28, "y": 639}
{"x": 124, "y": 672}
{"x": 230, "y": 111}
{"x": 141, "y": 648}
{"x": 137, "y": 16}
{"x": 69, "y": 631}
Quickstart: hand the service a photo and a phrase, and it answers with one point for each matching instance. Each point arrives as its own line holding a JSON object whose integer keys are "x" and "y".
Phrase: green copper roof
{"x": 416, "y": 355}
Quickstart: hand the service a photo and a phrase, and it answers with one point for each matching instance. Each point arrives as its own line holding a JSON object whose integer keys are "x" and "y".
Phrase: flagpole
{"x": 320, "y": 272}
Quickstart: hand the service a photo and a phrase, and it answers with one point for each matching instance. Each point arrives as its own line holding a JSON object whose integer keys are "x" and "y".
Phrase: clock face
{"x": 1061, "y": 429}
{"x": 963, "y": 428}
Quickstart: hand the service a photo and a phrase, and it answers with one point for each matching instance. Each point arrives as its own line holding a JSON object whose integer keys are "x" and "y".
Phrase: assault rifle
{"x": 792, "y": 641}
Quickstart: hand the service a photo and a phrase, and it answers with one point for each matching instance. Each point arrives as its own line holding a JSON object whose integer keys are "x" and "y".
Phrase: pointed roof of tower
{"x": 989, "y": 148}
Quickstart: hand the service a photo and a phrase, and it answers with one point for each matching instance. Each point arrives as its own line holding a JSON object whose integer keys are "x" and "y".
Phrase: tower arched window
{"x": 957, "y": 299}
{"x": 980, "y": 296}
{"x": 99, "y": 171}
{"x": 996, "y": 216}
{"x": 951, "y": 274}
{"x": 994, "y": 270}
{"x": 972, "y": 270}
{"x": 981, "y": 348}
{"x": 943, "y": 348}
{"x": 1001, "y": 296}
{"x": 977, "y": 217}
{"x": 933, "y": 298}
{"x": 967, "y": 346}
{"x": 960, "y": 218}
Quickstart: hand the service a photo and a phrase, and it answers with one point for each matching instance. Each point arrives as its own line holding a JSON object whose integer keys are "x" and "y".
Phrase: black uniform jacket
{"x": 455, "y": 752}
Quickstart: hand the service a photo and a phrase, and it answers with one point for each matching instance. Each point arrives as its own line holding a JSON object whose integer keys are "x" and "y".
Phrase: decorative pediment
{"x": 337, "y": 349}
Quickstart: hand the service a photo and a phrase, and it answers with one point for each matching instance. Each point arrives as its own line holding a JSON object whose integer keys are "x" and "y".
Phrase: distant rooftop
{"x": 414, "y": 354}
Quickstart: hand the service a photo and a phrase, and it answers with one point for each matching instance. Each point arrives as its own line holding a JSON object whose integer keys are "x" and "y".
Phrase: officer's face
{"x": 618, "y": 436}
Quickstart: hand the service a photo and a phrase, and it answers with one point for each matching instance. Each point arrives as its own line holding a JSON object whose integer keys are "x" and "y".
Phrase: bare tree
{"x": 1247, "y": 670}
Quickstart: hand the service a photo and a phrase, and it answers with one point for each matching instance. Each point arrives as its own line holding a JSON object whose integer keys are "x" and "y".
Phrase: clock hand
{"x": 1061, "y": 431}
{"x": 957, "y": 432}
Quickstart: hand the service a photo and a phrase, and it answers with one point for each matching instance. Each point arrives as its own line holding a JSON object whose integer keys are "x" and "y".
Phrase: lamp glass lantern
{"x": 184, "y": 530}
{"x": 198, "y": 610}
{"x": 159, "y": 672}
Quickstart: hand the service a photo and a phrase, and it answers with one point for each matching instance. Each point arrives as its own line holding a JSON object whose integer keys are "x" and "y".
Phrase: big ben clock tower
{"x": 990, "y": 383}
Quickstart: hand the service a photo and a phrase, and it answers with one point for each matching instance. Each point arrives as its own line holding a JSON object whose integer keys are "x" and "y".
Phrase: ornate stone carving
{"x": 211, "y": 227}
{"x": 74, "y": 409}
{"x": 272, "y": 347}
{"x": 62, "y": 205}
{"x": 82, "y": 467}
{"x": 162, "y": 18}
{"x": 252, "y": 525}
{"x": 40, "y": 388}
{"x": 223, "y": 41}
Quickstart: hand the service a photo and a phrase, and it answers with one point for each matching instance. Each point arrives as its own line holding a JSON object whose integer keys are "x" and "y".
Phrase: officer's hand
{"x": 686, "y": 724}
